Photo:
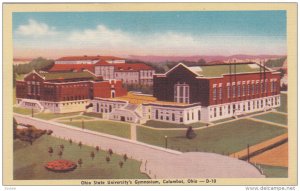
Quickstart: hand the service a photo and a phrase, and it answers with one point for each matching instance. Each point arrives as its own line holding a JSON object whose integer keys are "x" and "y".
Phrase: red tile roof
{"x": 102, "y": 62}
{"x": 75, "y": 58}
{"x": 70, "y": 67}
{"x": 132, "y": 67}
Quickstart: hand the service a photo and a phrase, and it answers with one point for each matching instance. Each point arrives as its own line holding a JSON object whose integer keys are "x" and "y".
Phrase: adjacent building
{"x": 109, "y": 67}
{"x": 222, "y": 90}
{"x": 61, "y": 92}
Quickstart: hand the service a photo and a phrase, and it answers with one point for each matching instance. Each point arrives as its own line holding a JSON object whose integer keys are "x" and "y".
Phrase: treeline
{"x": 166, "y": 66}
{"x": 275, "y": 63}
{"x": 36, "y": 64}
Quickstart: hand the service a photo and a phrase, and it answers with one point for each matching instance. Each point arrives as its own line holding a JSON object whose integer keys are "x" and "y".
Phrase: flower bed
{"x": 60, "y": 166}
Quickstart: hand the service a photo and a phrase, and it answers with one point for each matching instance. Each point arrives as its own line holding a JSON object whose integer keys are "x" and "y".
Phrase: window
{"x": 156, "y": 114}
{"x": 167, "y": 118}
{"x": 220, "y": 111}
{"x": 261, "y": 103}
{"x": 253, "y": 89}
{"x": 257, "y": 88}
{"x": 228, "y": 91}
{"x": 239, "y": 90}
{"x": 188, "y": 116}
{"x": 248, "y": 89}
{"x": 261, "y": 87}
{"x": 253, "y": 104}
{"x": 272, "y": 87}
{"x": 220, "y": 92}
{"x": 181, "y": 93}
{"x": 257, "y": 104}
{"x": 243, "y": 90}
{"x": 173, "y": 117}
{"x": 233, "y": 91}
{"x": 228, "y": 109}
{"x": 192, "y": 115}
{"x": 244, "y": 107}
{"x": 215, "y": 112}
{"x": 248, "y": 105}
{"x": 214, "y": 93}
{"x": 199, "y": 115}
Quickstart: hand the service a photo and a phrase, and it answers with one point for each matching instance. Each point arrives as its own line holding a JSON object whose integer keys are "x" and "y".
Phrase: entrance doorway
{"x": 122, "y": 118}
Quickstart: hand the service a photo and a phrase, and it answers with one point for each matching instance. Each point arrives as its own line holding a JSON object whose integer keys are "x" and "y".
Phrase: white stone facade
{"x": 54, "y": 107}
{"x": 233, "y": 109}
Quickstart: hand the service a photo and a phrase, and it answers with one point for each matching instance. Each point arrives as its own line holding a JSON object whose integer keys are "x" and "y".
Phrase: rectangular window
{"x": 192, "y": 115}
{"x": 261, "y": 103}
{"x": 228, "y": 91}
{"x": 248, "y": 105}
{"x": 199, "y": 115}
{"x": 243, "y": 90}
{"x": 215, "y": 93}
{"x": 215, "y": 112}
{"x": 253, "y": 89}
{"x": 248, "y": 89}
{"x": 261, "y": 87}
{"x": 239, "y": 90}
{"x": 220, "y": 111}
{"x": 233, "y": 91}
{"x": 257, "y": 88}
{"x": 188, "y": 116}
{"x": 173, "y": 117}
{"x": 220, "y": 92}
{"x": 228, "y": 109}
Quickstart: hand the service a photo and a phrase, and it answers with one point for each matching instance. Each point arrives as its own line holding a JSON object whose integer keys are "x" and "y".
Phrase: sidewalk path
{"x": 161, "y": 162}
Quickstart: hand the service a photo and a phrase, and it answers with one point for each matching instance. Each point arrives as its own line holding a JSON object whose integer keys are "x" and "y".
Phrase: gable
{"x": 182, "y": 71}
{"x": 33, "y": 76}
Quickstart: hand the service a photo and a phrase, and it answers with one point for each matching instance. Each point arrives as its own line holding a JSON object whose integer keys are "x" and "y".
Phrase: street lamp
{"x": 82, "y": 124}
{"x": 166, "y": 141}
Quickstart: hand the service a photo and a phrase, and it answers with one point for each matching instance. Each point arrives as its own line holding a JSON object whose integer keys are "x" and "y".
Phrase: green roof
{"x": 67, "y": 75}
{"x": 219, "y": 70}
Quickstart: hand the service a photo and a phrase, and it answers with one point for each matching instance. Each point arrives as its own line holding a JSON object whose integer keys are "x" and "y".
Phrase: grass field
{"x": 160, "y": 124}
{"x": 283, "y": 105}
{"x": 54, "y": 115}
{"x": 224, "y": 138}
{"x": 29, "y": 162}
{"x": 109, "y": 127}
{"x": 275, "y": 171}
{"x": 23, "y": 111}
{"x": 77, "y": 118}
{"x": 91, "y": 114}
{"x": 273, "y": 117}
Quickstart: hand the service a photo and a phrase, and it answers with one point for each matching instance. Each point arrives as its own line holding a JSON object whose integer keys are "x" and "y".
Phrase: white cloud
{"x": 35, "y": 29}
{"x": 104, "y": 40}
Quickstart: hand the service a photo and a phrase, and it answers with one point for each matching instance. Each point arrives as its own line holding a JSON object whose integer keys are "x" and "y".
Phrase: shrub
{"x": 190, "y": 134}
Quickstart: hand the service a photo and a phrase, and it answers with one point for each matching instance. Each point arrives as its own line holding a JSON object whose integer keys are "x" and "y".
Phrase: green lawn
{"x": 77, "y": 118}
{"x": 23, "y": 111}
{"x": 54, "y": 115}
{"x": 91, "y": 114}
{"x": 275, "y": 171}
{"x": 160, "y": 124}
{"x": 273, "y": 117}
{"x": 109, "y": 127}
{"x": 29, "y": 162}
{"x": 224, "y": 138}
{"x": 283, "y": 105}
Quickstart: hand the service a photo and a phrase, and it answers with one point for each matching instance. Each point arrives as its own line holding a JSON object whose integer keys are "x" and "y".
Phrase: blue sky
{"x": 150, "y": 33}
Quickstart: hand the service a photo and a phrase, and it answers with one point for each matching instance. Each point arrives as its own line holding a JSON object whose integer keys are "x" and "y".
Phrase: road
{"x": 157, "y": 162}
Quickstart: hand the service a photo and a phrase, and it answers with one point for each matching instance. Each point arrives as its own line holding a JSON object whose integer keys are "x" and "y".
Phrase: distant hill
{"x": 208, "y": 59}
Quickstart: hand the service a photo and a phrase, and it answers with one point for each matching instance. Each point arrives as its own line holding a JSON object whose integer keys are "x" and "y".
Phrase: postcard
{"x": 150, "y": 94}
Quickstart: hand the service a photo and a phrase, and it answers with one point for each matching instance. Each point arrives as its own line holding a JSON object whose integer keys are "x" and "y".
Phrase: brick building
{"x": 61, "y": 92}
{"x": 109, "y": 67}
{"x": 223, "y": 90}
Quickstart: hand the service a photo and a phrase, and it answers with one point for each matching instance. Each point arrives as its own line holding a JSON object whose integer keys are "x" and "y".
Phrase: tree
{"x": 60, "y": 153}
{"x": 97, "y": 148}
{"x": 92, "y": 155}
{"x": 190, "y": 134}
{"x": 49, "y": 132}
{"x": 61, "y": 147}
{"x": 70, "y": 141}
{"x": 15, "y": 125}
{"x": 125, "y": 157}
{"x": 50, "y": 151}
{"x": 121, "y": 164}
{"x": 110, "y": 152}
{"x": 80, "y": 144}
{"x": 107, "y": 159}
{"x": 79, "y": 162}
